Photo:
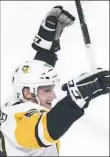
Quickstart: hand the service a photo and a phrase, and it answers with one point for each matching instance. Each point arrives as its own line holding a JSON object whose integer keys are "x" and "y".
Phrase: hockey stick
{"x": 86, "y": 37}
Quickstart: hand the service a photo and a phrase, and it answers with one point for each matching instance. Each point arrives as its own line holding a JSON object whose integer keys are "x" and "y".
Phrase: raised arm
{"x": 47, "y": 40}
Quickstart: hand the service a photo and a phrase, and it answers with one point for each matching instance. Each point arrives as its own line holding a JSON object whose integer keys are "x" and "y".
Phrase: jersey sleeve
{"x": 31, "y": 130}
{"x": 47, "y": 56}
{"x": 25, "y": 128}
{"x": 38, "y": 130}
{"x": 53, "y": 124}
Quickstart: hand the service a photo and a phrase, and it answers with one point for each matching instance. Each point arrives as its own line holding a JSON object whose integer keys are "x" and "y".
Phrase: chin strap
{"x": 38, "y": 100}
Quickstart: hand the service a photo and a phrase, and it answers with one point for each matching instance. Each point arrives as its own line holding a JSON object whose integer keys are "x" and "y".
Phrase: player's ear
{"x": 26, "y": 93}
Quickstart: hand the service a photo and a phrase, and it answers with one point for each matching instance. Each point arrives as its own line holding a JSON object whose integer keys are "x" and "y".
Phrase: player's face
{"x": 46, "y": 95}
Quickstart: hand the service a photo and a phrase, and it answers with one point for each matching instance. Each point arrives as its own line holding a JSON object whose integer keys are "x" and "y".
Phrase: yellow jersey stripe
{"x": 47, "y": 136}
{"x": 25, "y": 130}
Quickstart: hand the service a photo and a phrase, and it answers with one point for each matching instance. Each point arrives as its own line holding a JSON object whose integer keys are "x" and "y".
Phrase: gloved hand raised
{"x": 51, "y": 28}
{"x": 88, "y": 86}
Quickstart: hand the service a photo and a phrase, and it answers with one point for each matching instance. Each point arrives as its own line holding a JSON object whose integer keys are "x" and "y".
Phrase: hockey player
{"x": 29, "y": 126}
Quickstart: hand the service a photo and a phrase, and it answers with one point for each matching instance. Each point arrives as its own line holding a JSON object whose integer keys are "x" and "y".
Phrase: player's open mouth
{"x": 49, "y": 103}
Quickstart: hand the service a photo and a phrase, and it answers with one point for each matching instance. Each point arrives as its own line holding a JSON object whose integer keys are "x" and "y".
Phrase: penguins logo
{"x": 26, "y": 69}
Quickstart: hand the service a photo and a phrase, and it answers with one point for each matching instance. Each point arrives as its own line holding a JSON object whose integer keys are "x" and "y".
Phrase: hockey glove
{"x": 48, "y": 36}
{"x": 88, "y": 86}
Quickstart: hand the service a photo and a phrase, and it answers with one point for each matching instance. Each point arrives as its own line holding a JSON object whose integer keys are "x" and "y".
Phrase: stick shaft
{"x": 86, "y": 36}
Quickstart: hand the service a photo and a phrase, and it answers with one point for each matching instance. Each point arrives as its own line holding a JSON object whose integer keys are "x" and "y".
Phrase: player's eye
{"x": 47, "y": 90}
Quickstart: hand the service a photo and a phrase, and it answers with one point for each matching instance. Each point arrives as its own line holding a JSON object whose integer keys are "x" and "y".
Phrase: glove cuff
{"x": 75, "y": 94}
{"x": 45, "y": 36}
{"x": 41, "y": 43}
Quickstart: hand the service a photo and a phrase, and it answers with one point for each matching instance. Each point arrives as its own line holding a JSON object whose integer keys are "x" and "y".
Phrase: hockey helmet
{"x": 33, "y": 74}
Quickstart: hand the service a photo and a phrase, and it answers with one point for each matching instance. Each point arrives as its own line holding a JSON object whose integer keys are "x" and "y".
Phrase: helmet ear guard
{"x": 33, "y": 91}
{"x": 33, "y": 74}
{"x": 20, "y": 94}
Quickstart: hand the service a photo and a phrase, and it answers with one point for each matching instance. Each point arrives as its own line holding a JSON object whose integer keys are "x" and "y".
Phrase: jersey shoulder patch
{"x": 33, "y": 111}
{"x": 3, "y": 117}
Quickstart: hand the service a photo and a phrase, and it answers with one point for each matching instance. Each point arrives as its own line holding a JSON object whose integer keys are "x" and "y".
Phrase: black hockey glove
{"x": 88, "y": 86}
{"x": 48, "y": 36}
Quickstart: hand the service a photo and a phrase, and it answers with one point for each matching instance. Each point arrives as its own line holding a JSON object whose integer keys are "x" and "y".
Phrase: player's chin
{"x": 48, "y": 105}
